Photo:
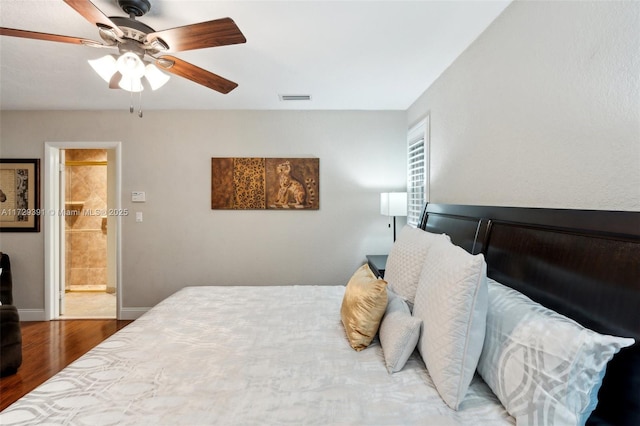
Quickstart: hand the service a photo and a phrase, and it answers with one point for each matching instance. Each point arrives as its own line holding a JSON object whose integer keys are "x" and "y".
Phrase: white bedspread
{"x": 244, "y": 356}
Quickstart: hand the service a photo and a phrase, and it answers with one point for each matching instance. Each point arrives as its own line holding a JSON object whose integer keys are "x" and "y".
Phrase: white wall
{"x": 542, "y": 110}
{"x": 181, "y": 240}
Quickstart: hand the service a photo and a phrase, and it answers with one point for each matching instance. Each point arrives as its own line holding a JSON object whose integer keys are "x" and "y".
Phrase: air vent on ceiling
{"x": 295, "y": 97}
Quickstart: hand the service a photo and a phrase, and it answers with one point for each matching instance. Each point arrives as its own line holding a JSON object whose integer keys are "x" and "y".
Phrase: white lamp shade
{"x": 155, "y": 77}
{"x": 132, "y": 84}
{"x": 130, "y": 65}
{"x": 131, "y": 70}
{"x": 393, "y": 203}
{"x": 105, "y": 67}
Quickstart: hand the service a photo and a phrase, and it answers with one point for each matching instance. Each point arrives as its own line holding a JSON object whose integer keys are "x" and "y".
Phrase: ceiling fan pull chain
{"x": 131, "y": 102}
{"x": 140, "y": 105}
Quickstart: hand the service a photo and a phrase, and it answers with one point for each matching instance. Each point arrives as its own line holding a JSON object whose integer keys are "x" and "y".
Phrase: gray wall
{"x": 542, "y": 110}
{"x": 182, "y": 241}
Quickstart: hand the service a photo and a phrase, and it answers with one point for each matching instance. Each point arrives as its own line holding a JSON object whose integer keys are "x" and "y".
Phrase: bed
{"x": 281, "y": 354}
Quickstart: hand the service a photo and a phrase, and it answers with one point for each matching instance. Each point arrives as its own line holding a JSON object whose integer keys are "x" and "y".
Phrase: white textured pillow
{"x": 452, "y": 303}
{"x": 399, "y": 333}
{"x": 406, "y": 259}
{"x": 545, "y": 368}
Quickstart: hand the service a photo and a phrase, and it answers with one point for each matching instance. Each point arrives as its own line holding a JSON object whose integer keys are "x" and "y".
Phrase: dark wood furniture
{"x": 584, "y": 264}
{"x": 377, "y": 263}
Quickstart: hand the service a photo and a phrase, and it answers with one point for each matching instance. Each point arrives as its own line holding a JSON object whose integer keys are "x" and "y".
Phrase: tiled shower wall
{"x": 86, "y": 233}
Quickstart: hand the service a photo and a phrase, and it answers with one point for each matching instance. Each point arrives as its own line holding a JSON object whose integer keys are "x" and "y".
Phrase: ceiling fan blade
{"x": 197, "y": 75}
{"x": 92, "y": 14}
{"x": 45, "y": 36}
{"x": 220, "y": 32}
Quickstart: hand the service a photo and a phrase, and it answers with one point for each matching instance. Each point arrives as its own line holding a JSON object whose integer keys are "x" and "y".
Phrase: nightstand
{"x": 377, "y": 263}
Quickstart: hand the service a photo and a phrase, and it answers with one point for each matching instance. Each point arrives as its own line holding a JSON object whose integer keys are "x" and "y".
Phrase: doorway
{"x": 82, "y": 240}
{"x": 85, "y": 287}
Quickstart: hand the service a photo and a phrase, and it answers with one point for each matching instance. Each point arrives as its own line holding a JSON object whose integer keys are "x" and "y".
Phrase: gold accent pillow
{"x": 364, "y": 303}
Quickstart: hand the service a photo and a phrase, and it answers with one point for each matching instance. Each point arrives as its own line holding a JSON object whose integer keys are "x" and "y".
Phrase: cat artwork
{"x": 256, "y": 183}
{"x": 291, "y": 191}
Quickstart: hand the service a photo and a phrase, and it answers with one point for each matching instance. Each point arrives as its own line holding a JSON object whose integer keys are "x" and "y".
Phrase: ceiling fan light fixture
{"x": 129, "y": 69}
{"x": 155, "y": 77}
{"x": 130, "y": 66}
{"x": 105, "y": 67}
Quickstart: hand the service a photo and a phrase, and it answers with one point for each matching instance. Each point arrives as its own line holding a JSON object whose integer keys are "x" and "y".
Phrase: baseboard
{"x": 31, "y": 315}
{"x": 38, "y": 314}
{"x": 132, "y": 313}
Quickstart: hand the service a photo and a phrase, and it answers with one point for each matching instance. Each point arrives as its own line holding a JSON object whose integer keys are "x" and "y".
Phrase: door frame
{"x": 53, "y": 228}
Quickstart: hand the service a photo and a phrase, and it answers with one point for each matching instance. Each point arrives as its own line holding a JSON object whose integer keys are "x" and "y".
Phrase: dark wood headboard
{"x": 584, "y": 264}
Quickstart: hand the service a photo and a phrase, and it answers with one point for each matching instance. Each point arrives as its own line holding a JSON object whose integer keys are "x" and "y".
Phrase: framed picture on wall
{"x": 20, "y": 195}
{"x": 256, "y": 183}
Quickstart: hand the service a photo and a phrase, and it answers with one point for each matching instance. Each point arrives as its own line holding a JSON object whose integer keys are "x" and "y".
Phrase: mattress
{"x": 245, "y": 355}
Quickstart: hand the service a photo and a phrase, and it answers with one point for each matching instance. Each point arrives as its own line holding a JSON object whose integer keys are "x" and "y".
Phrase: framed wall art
{"x": 20, "y": 195}
{"x": 244, "y": 183}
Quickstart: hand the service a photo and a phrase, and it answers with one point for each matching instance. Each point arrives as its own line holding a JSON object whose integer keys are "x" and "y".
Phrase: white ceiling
{"x": 348, "y": 55}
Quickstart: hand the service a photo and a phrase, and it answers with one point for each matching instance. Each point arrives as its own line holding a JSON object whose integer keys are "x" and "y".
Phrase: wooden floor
{"x": 48, "y": 347}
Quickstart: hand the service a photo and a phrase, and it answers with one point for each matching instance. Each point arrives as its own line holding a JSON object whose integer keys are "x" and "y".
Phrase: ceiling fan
{"x": 142, "y": 50}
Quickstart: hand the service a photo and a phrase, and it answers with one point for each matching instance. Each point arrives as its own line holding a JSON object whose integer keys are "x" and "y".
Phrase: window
{"x": 417, "y": 170}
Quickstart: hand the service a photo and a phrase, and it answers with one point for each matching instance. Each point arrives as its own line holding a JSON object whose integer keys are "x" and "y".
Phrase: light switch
{"x": 138, "y": 196}
{"x": 138, "y": 216}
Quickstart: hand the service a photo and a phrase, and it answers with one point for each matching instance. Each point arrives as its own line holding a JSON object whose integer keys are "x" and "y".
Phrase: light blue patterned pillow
{"x": 545, "y": 368}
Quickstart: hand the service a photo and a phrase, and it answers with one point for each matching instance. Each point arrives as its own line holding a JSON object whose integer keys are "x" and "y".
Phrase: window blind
{"x": 417, "y": 170}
